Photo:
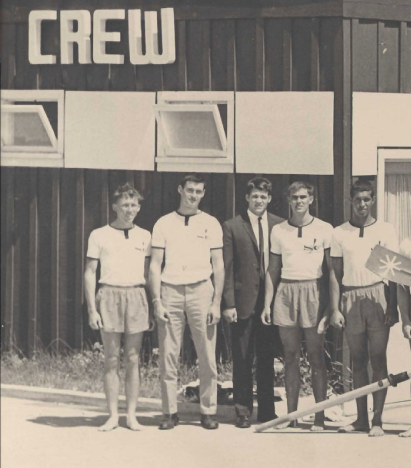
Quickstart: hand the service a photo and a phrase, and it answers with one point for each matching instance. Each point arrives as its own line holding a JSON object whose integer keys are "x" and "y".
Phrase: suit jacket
{"x": 241, "y": 263}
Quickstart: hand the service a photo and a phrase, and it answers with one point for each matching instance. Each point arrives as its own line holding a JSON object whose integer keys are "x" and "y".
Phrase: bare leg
{"x": 358, "y": 345}
{"x": 315, "y": 350}
{"x": 132, "y": 348}
{"x": 378, "y": 356}
{"x": 291, "y": 340}
{"x": 111, "y": 342}
{"x": 408, "y": 432}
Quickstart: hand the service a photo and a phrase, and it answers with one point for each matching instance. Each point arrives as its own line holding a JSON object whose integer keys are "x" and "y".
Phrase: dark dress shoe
{"x": 169, "y": 421}
{"x": 263, "y": 419}
{"x": 208, "y": 422}
{"x": 243, "y": 422}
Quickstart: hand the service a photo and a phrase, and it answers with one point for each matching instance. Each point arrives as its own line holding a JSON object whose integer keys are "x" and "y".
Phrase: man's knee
{"x": 316, "y": 359}
{"x": 292, "y": 356}
{"x": 111, "y": 363}
{"x": 378, "y": 360}
{"x": 132, "y": 359}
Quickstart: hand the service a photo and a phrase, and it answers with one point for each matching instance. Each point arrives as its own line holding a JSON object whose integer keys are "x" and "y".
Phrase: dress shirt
{"x": 264, "y": 223}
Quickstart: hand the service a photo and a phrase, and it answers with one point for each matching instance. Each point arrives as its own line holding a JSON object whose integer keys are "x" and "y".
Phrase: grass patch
{"x": 83, "y": 371}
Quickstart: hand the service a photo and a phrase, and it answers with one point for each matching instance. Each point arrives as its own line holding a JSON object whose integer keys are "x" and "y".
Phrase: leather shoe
{"x": 263, "y": 419}
{"x": 208, "y": 422}
{"x": 243, "y": 422}
{"x": 169, "y": 421}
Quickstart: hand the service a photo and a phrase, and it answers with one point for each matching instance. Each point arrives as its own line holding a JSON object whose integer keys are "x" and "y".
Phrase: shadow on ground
{"x": 97, "y": 421}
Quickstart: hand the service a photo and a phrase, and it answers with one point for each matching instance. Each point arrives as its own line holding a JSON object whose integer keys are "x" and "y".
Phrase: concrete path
{"x": 50, "y": 435}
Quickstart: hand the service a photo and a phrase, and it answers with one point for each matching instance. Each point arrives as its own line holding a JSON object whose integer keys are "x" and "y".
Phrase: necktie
{"x": 261, "y": 244}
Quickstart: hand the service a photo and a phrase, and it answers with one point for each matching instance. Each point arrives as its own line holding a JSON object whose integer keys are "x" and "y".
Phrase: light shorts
{"x": 299, "y": 303}
{"x": 364, "y": 308}
{"x": 123, "y": 309}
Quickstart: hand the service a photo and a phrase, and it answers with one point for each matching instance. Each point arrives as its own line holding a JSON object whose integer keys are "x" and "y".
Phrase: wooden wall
{"x": 47, "y": 214}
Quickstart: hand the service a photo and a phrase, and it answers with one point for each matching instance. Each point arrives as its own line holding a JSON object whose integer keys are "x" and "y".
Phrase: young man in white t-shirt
{"x": 190, "y": 244}
{"x": 404, "y": 306}
{"x": 299, "y": 249}
{"x": 358, "y": 300}
{"x": 120, "y": 307}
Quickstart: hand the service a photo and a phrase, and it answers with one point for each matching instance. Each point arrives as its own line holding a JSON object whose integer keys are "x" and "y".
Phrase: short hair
{"x": 126, "y": 191}
{"x": 196, "y": 178}
{"x": 361, "y": 185}
{"x": 259, "y": 183}
{"x": 295, "y": 186}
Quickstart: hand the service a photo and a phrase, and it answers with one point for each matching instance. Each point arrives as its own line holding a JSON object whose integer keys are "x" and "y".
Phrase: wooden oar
{"x": 393, "y": 380}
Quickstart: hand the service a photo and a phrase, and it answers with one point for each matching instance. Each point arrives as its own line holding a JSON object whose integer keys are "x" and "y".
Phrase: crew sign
{"x": 76, "y": 28}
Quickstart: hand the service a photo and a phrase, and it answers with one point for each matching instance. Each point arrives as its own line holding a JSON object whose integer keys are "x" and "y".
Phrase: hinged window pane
{"x": 192, "y": 129}
{"x": 26, "y": 128}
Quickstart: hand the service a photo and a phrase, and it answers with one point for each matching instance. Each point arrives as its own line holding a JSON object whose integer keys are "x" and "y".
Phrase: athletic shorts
{"x": 364, "y": 308}
{"x": 123, "y": 309}
{"x": 300, "y": 303}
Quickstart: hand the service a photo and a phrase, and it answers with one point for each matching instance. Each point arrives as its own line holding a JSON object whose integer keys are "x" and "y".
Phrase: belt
{"x": 354, "y": 288}
{"x": 288, "y": 281}
{"x": 122, "y": 287}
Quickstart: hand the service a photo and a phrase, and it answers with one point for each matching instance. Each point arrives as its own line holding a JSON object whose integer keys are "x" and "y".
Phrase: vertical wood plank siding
{"x": 48, "y": 214}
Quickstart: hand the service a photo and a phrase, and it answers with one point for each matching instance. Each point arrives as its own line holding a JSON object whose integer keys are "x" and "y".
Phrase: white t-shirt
{"x": 121, "y": 254}
{"x": 187, "y": 241}
{"x": 354, "y": 245}
{"x": 302, "y": 248}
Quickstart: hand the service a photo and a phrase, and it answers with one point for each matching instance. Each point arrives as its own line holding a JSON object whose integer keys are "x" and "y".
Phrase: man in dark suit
{"x": 246, "y": 255}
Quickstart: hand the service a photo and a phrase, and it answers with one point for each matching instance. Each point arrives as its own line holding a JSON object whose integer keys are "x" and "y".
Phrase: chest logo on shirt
{"x": 141, "y": 247}
{"x": 202, "y": 235}
{"x": 312, "y": 248}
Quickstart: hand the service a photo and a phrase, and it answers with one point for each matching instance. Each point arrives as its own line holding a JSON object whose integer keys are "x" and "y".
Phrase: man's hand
{"x": 406, "y": 329}
{"x": 323, "y": 325}
{"x": 214, "y": 315}
{"x": 389, "y": 319}
{"x": 230, "y": 315}
{"x": 160, "y": 313}
{"x": 337, "y": 320}
{"x": 266, "y": 316}
{"x": 94, "y": 320}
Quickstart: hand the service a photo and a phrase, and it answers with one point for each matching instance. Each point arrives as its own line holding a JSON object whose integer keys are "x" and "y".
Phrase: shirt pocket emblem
{"x": 202, "y": 234}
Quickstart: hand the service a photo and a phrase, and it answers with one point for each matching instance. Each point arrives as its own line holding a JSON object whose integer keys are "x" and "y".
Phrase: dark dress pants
{"x": 249, "y": 338}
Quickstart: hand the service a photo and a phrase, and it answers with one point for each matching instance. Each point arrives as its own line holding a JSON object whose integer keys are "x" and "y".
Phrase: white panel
{"x": 379, "y": 120}
{"x": 110, "y": 130}
{"x": 284, "y": 132}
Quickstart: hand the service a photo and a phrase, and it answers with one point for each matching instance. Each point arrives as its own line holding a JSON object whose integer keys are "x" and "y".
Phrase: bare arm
{"x": 150, "y": 306}
{"x": 336, "y": 276}
{"x": 95, "y": 321}
{"x": 157, "y": 257}
{"x": 272, "y": 278}
{"x": 218, "y": 280}
{"x": 404, "y": 306}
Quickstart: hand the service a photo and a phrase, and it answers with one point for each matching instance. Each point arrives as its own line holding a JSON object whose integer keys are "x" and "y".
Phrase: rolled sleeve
{"x": 148, "y": 246}
{"x": 336, "y": 250}
{"x": 93, "y": 250}
{"x": 158, "y": 239}
{"x": 275, "y": 243}
{"x": 215, "y": 235}
{"x": 328, "y": 237}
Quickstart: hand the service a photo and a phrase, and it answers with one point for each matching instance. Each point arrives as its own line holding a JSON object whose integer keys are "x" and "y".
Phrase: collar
{"x": 254, "y": 218}
{"x": 187, "y": 217}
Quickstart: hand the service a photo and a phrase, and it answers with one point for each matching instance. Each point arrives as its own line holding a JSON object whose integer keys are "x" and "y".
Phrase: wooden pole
{"x": 323, "y": 405}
